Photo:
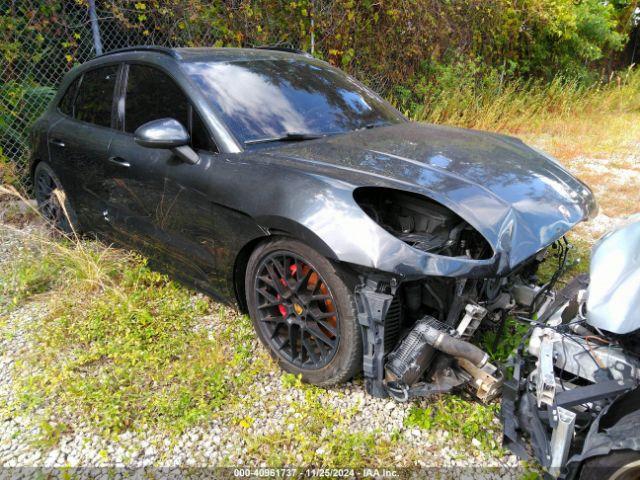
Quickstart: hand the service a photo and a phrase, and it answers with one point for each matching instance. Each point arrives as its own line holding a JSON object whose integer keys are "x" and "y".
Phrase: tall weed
{"x": 466, "y": 97}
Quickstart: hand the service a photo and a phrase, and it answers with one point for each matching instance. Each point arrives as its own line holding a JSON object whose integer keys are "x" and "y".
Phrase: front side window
{"x": 152, "y": 95}
{"x": 199, "y": 134}
{"x": 269, "y": 98}
{"x": 95, "y": 96}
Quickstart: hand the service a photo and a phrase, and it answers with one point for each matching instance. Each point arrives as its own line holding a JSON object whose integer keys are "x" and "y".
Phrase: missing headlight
{"x": 422, "y": 223}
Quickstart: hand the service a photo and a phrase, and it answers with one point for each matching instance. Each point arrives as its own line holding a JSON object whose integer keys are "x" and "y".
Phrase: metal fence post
{"x": 313, "y": 27}
{"x": 97, "y": 41}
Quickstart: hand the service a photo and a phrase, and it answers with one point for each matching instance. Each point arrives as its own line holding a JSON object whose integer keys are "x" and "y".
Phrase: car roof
{"x": 214, "y": 54}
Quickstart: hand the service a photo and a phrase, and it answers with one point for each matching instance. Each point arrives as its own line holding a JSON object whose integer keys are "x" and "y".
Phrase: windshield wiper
{"x": 288, "y": 137}
{"x": 369, "y": 126}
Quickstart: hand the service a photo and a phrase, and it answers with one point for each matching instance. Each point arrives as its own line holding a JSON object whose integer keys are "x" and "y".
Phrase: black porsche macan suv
{"x": 274, "y": 181}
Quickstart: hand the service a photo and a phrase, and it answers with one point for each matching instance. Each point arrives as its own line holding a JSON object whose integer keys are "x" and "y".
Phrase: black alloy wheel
{"x": 47, "y": 197}
{"x": 304, "y": 311}
{"x": 296, "y": 310}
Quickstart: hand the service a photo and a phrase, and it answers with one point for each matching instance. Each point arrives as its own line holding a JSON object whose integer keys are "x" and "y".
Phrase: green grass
{"x": 471, "y": 422}
{"x": 123, "y": 346}
{"x": 577, "y": 261}
{"x": 514, "y": 332}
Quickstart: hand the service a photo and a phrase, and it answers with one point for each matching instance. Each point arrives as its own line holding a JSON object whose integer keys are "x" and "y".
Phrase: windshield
{"x": 270, "y": 99}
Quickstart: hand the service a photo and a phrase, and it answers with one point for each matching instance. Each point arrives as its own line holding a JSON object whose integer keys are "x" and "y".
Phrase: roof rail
{"x": 279, "y": 48}
{"x": 148, "y": 48}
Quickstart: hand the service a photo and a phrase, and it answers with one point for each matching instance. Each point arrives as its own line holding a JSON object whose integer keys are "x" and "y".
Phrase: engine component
{"x": 471, "y": 320}
{"x": 546, "y": 377}
{"x": 422, "y": 223}
{"x": 392, "y": 324}
{"x": 408, "y": 362}
{"x": 457, "y": 348}
{"x": 574, "y": 373}
{"x": 525, "y": 294}
{"x": 582, "y": 356}
{"x": 561, "y": 439}
{"x": 486, "y": 382}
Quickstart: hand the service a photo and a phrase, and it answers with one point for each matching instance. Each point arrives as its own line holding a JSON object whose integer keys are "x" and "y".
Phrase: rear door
{"x": 79, "y": 142}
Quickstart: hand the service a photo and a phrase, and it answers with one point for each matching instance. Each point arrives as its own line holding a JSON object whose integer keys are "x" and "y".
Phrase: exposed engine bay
{"x": 570, "y": 368}
{"x": 423, "y": 224}
{"x": 421, "y": 345}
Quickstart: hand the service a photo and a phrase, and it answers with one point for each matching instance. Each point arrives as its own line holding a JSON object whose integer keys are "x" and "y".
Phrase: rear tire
{"x": 293, "y": 318}
{"x": 618, "y": 465}
{"x": 52, "y": 199}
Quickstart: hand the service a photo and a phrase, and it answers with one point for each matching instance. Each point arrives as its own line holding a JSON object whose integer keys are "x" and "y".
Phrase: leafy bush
{"x": 469, "y": 62}
{"x": 20, "y": 105}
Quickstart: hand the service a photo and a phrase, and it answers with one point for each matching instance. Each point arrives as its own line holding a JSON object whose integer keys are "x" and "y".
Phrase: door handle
{"x": 119, "y": 161}
{"x": 56, "y": 142}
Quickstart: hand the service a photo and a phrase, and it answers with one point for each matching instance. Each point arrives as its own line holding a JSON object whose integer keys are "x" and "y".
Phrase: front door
{"x": 157, "y": 202}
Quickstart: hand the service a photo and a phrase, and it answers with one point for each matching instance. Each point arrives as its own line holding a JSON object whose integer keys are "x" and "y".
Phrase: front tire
{"x": 303, "y": 310}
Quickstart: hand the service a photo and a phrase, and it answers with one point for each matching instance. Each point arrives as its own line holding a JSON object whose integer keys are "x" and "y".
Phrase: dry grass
{"x": 593, "y": 130}
{"x": 120, "y": 346}
{"x": 566, "y": 118}
{"x": 68, "y": 263}
{"x": 595, "y": 134}
{"x": 618, "y": 194}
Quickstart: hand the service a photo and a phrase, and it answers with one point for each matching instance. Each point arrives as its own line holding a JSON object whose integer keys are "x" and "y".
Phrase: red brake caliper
{"x": 281, "y": 308}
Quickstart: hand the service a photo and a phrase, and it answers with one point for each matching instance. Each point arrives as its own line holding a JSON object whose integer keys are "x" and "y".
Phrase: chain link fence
{"x": 40, "y": 44}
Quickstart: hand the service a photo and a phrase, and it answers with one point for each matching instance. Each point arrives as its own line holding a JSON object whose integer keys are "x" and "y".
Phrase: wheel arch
{"x": 614, "y": 430}
{"x": 32, "y": 171}
{"x": 275, "y": 227}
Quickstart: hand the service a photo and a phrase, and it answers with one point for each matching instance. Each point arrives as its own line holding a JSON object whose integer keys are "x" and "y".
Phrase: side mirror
{"x": 167, "y": 133}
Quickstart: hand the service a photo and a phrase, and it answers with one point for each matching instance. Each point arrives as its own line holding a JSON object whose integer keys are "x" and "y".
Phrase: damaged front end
{"x": 417, "y": 331}
{"x": 572, "y": 402}
{"x": 570, "y": 396}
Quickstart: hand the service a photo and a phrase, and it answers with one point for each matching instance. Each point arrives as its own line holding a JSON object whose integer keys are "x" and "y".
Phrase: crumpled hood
{"x": 518, "y": 198}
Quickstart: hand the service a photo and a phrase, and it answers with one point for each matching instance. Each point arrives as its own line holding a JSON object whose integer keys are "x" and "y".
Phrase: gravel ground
{"x": 610, "y": 179}
{"x": 219, "y": 441}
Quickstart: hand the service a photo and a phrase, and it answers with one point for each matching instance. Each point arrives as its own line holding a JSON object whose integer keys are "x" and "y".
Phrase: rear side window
{"x": 66, "y": 105}
{"x": 151, "y": 95}
{"x": 95, "y": 96}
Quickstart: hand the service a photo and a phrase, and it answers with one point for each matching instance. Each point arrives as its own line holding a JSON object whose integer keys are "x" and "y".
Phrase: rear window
{"x": 66, "y": 105}
{"x": 95, "y": 96}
